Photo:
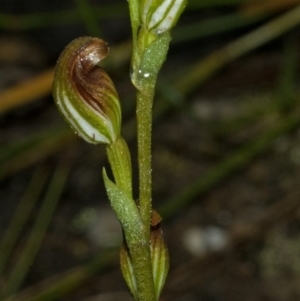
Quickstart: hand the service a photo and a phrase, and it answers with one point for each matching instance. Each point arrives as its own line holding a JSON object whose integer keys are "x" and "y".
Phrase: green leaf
{"x": 152, "y": 58}
{"x": 126, "y": 211}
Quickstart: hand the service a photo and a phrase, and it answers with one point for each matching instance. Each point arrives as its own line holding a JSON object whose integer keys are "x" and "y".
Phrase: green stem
{"x": 135, "y": 22}
{"x": 141, "y": 262}
{"x": 134, "y": 15}
{"x": 144, "y": 127}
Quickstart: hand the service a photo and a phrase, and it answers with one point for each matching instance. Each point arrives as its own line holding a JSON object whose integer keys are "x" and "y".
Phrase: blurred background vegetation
{"x": 226, "y": 154}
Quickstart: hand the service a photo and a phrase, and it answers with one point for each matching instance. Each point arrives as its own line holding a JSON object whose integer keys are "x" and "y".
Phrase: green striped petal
{"x": 161, "y": 15}
{"x": 85, "y": 94}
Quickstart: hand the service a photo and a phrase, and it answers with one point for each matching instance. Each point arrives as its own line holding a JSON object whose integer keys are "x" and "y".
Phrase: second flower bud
{"x": 161, "y": 15}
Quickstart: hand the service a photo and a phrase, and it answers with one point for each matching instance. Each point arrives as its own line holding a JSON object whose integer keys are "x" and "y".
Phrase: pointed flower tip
{"x": 159, "y": 254}
{"x": 85, "y": 94}
{"x": 127, "y": 271}
{"x": 161, "y": 15}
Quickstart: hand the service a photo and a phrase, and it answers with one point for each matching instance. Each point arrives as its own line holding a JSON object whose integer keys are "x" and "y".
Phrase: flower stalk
{"x": 120, "y": 162}
{"x": 150, "y": 46}
{"x": 144, "y": 128}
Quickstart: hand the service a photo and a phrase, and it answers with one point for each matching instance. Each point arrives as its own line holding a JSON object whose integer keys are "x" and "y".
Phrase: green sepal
{"x": 126, "y": 211}
{"x": 127, "y": 271}
{"x": 152, "y": 56}
{"x": 159, "y": 254}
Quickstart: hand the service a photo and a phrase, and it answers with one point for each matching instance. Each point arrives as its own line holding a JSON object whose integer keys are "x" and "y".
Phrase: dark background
{"x": 226, "y": 155}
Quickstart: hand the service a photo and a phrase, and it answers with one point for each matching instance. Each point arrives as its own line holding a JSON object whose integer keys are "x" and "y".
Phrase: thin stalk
{"x": 141, "y": 262}
{"x": 144, "y": 129}
{"x": 120, "y": 162}
{"x": 135, "y": 22}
